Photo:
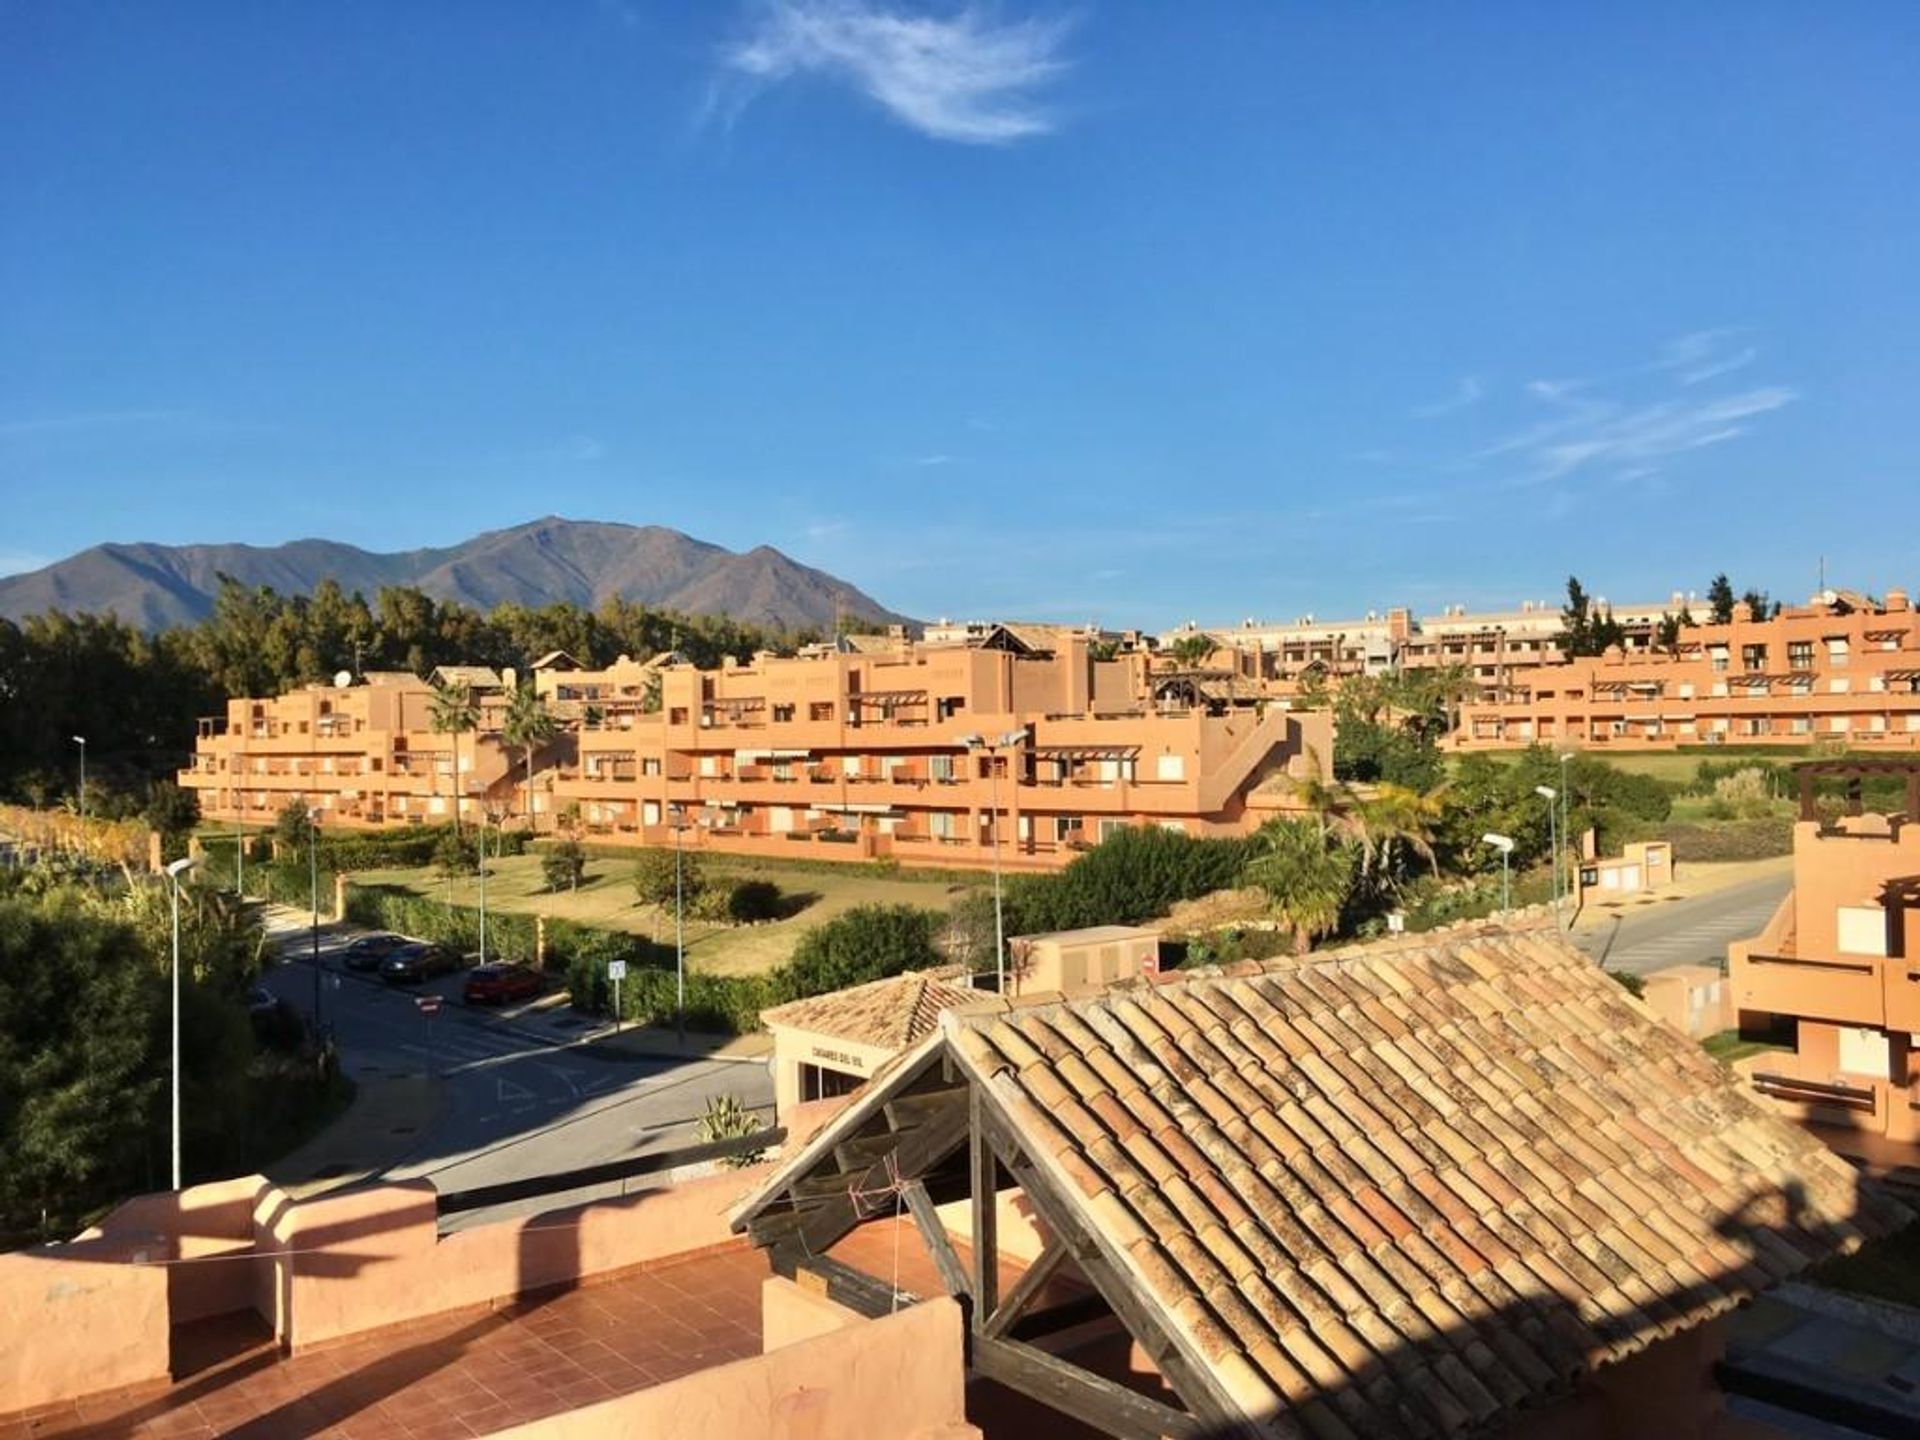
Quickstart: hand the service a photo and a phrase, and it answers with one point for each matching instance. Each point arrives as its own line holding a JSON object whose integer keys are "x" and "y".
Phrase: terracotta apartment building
{"x": 1840, "y": 669}
{"x": 1841, "y": 959}
{"x": 1498, "y": 647}
{"x": 874, "y": 747}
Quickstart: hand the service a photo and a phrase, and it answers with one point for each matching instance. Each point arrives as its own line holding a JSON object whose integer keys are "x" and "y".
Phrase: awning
{"x": 1087, "y": 752}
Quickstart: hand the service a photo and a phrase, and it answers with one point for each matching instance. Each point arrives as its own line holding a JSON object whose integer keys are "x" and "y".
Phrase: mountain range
{"x": 585, "y": 562}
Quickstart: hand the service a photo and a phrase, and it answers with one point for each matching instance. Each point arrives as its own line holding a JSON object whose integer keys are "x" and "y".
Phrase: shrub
{"x": 564, "y": 865}
{"x": 868, "y": 942}
{"x": 737, "y": 902}
{"x": 456, "y": 854}
{"x": 727, "y": 1119}
{"x": 1757, "y": 839}
{"x": 1128, "y": 877}
{"x": 656, "y": 880}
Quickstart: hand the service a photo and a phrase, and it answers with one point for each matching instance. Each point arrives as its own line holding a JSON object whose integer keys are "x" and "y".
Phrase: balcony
{"x": 1847, "y": 992}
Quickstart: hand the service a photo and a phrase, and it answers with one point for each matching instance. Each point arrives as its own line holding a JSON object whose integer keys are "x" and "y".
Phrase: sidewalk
{"x": 1691, "y": 881}
{"x": 552, "y": 1020}
{"x": 386, "y": 1120}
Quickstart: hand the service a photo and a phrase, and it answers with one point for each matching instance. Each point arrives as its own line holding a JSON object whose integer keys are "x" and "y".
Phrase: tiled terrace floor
{"x": 468, "y": 1374}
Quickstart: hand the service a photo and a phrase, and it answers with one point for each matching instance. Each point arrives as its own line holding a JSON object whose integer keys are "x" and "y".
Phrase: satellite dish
{"x": 343, "y": 679}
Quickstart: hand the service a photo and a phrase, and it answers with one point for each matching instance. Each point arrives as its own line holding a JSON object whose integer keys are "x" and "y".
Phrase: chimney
{"x": 1897, "y": 602}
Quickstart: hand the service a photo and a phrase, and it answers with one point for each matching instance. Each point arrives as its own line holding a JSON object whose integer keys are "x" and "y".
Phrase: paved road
{"x": 515, "y": 1105}
{"x": 1685, "y": 932}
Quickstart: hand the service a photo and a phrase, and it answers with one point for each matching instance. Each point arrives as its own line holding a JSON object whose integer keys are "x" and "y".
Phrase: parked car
{"x": 368, "y": 951}
{"x": 497, "y": 983}
{"x": 417, "y": 961}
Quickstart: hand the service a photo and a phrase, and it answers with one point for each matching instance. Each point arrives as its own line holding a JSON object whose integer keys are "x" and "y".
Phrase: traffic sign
{"x": 616, "y": 969}
{"x": 429, "y": 1004}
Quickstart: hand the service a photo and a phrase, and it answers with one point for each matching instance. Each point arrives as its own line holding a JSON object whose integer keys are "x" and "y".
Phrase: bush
{"x": 868, "y": 942}
{"x": 1126, "y": 878}
{"x": 735, "y": 902}
{"x": 660, "y": 875}
{"x": 455, "y": 853}
{"x": 1759, "y": 839}
{"x": 564, "y": 865}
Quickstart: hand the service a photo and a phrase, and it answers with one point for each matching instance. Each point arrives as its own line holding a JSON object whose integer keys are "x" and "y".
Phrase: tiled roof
{"x": 890, "y": 1013}
{"x": 1404, "y": 1190}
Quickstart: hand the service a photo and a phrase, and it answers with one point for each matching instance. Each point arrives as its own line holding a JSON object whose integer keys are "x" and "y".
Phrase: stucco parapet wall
{"x": 903, "y": 1376}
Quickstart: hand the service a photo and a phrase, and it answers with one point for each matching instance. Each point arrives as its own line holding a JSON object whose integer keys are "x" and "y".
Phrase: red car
{"x": 497, "y": 984}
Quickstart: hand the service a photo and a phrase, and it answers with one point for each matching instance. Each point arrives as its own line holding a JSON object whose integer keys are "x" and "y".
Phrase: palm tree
{"x": 530, "y": 724}
{"x": 1334, "y": 805}
{"x": 1400, "y": 815}
{"x": 1306, "y": 875}
{"x": 1191, "y": 650}
{"x": 454, "y": 712}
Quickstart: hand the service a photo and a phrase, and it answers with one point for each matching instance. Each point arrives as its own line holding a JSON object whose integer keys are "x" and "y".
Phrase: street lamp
{"x": 174, "y": 872}
{"x": 993, "y": 746}
{"x": 483, "y": 887}
{"x": 1504, "y": 844}
{"x": 1549, "y": 794}
{"x": 313, "y": 871}
{"x": 677, "y": 819}
{"x": 1566, "y": 821}
{"x": 81, "y": 741}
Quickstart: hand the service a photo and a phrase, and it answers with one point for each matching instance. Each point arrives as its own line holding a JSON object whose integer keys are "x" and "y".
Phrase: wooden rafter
{"x": 1185, "y": 1372}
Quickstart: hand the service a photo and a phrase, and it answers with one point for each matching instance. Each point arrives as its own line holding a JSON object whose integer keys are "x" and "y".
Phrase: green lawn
{"x": 605, "y": 899}
{"x": 1727, "y": 1046}
{"x": 1679, "y": 766}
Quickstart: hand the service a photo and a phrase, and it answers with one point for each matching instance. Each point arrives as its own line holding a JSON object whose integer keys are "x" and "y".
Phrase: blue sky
{"x": 1129, "y": 312}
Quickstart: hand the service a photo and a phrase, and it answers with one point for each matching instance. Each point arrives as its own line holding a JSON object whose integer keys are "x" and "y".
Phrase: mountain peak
{"x": 538, "y": 562}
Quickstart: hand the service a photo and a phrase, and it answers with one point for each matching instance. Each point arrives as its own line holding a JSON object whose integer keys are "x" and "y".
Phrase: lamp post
{"x": 677, "y": 818}
{"x": 993, "y": 746}
{"x": 81, "y": 741}
{"x": 1566, "y": 821}
{"x": 483, "y": 887}
{"x": 313, "y": 873}
{"x": 1549, "y": 794}
{"x": 1504, "y": 844}
{"x": 174, "y": 872}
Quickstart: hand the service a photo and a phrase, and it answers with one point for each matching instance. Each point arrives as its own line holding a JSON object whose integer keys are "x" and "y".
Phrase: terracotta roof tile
{"x": 1438, "y": 1181}
{"x": 1408, "y": 1188}
{"x": 893, "y": 1013}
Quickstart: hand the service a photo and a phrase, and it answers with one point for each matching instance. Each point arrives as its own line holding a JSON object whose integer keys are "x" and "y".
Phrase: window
{"x": 940, "y": 767}
{"x": 948, "y": 706}
{"x": 820, "y": 710}
{"x": 782, "y": 714}
{"x": 1865, "y": 1052}
{"x": 1839, "y": 685}
{"x": 677, "y": 715}
{"x": 650, "y": 765}
{"x": 1800, "y": 655}
{"x": 1718, "y": 654}
{"x": 1170, "y": 767}
{"x": 940, "y": 824}
{"x": 817, "y": 1082}
{"x": 1066, "y": 827}
{"x": 1753, "y": 657}
{"x": 1836, "y": 650}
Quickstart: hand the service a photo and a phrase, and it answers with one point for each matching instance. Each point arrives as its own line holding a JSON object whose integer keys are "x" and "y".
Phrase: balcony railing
{"x": 1845, "y": 991}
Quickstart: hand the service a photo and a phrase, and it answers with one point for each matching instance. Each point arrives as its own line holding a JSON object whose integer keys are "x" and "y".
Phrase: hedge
{"x": 1760, "y": 839}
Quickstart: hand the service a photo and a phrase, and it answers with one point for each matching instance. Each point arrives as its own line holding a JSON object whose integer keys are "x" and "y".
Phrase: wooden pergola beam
{"x": 1024, "y": 1290}
{"x": 953, "y": 1274}
{"x": 1185, "y": 1373}
{"x": 1104, "y": 1404}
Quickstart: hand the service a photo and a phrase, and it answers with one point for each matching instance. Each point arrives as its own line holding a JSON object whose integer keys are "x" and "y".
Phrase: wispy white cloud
{"x": 929, "y": 461}
{"x": 967, "y": 78}
{"x": 1638, "y": 438}
{"x": 825, "y": 529}
{"x": 1704, "y": 355}
{"x": 1466, "y": 392}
